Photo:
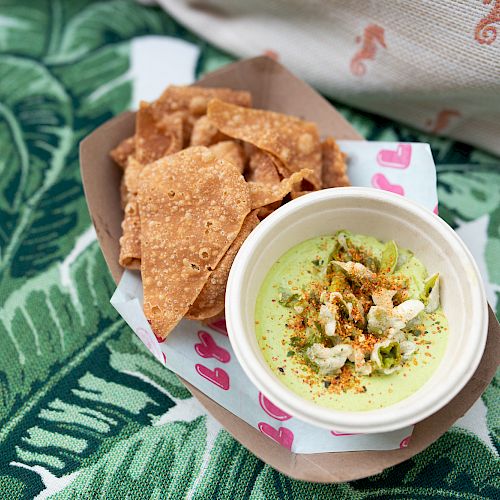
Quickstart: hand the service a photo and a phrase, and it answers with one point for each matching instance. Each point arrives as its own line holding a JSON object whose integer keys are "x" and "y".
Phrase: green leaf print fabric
{"x": 85, "y": 410}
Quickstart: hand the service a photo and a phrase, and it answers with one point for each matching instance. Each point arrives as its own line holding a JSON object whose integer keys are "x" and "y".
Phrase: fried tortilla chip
{"x": 262, "y": 168}
{"x": 268, "y": 210}
{"x": 297, "y": 194}
{"x": 122, "y": 152}
{"x": 132, "y": 175}
{"x": 213, "y": 319}
{"x": 334, "y": 165}
{"x": 123, "y": 193}
{"x": 130, "y": 242}
{"x": 188, "y": 122}
{"x": 210, "y": 302}
{"x": 294, "y": 141}
{"x": 205, "y": 133}
{"x": 231, "y": 151}
{"x": 265, "y": 194}
{"x": 156, "y": 137}
{"x": 195, "y": 99}
{"x": 192, "y": 206}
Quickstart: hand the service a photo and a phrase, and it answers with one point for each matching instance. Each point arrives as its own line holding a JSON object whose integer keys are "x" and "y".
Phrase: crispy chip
{"x": 210, "y": 302}
{"x": 123, "y": 193}
{"x": 297, "y": 194}
{"x": 209, "y": 321}
{"x": 262, "y": 168}
{"x": 195, "y": 99}
{"x": 206, "y": 134}
{"x": 265, "y": 194}
{"x": 188, "y": 122}
{"x": 130, "y": 242}
{"x": 295, "y": 142}
{"x": 268, "y": 209}
{"x": 192, "y": 207}
{"x": 156, "y": 137}
{"x": 334, "y": 166}
{"x": 231, "y": 151}
{"x": 132, "y": 175}
{"x": 122, "y": 152}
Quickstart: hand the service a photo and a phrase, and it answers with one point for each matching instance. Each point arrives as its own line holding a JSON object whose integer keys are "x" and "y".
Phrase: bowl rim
{"x": 353, "y": 422}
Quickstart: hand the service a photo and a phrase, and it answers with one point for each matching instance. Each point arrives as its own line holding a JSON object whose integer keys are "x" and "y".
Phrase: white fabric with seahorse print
{"x": 432, "y": 65}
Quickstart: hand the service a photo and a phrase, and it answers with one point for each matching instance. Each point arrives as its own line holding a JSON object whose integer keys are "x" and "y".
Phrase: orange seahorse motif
{"x": 486, "y": 33}
{"x": 271, "y": 54}
{"x": 372, "y": 35}
{"x": 443, "y": 120}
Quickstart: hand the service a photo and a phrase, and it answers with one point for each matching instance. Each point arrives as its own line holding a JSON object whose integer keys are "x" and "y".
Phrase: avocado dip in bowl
{"x": 356, "y": 310}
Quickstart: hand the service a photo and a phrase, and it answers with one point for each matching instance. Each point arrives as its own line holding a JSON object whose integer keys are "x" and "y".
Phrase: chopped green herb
{"x": 389, "y": 356}
{"x": 286, "y": 298}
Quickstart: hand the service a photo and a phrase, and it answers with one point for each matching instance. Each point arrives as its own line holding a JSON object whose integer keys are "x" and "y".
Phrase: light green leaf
{"x": 99, "y": 85}
{"x": 128, "y": 355}
{"x": 470, "y": 194}
{"x": 491, "y": 398}
{"x": 155, "y": 462}
{"x": 90, "y": 407}
{"x": 231, "y": 472}
{"x": 492, "y": 252}
{"x": 35, "y": 138}
{"x": 23, "y": 30}
{"x": 47, "y": 325}
{"x": 101, "y": 23}
{"x": 211, "y": 59}
{"x": 458, "y": 465}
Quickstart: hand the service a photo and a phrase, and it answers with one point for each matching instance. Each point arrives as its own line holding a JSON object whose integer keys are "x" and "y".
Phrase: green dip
{"x": 316, "y": 306}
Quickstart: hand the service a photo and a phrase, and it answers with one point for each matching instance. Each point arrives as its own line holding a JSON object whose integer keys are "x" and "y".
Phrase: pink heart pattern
{"x": 219, "y": 326}
{"x": 405, "y": 443}
{"x": 335, "y": 433}
{"x": 380, "y": 181}
{"x": 218, "y": 376}
{"x": 281, "y": 435}
{"x": 208, "y": 348}
{"x": 271, "y": 409}
{"x": 400, "y": 158}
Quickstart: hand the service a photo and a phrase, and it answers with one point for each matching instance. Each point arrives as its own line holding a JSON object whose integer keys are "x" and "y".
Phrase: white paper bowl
{"x": 385, "y": 216}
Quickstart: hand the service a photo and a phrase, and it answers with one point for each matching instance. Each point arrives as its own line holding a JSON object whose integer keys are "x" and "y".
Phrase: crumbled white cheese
{"x": 329, "y": 359}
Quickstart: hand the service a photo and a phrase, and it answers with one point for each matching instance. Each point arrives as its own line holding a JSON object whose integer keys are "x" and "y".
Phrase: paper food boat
{"x": 274, "y": 88}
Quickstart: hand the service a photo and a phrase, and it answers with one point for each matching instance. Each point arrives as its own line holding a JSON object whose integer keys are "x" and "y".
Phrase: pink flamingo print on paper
{"x": 271, "y": 409}
{"x": 380, "y": 181}
{"x": 281, "y": 435}
{"x": 218, "y": 376}
{"x": 372, "y": 36}
{"x": 208, "y": 348}
{"x": 400, "y": 158}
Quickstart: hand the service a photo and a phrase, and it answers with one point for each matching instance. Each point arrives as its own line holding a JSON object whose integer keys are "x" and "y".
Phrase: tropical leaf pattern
{"x": 85, "y": 410}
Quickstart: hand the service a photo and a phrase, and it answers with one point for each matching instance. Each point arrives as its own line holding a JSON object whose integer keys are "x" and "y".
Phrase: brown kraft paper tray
{"x": 275, "y": 88}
